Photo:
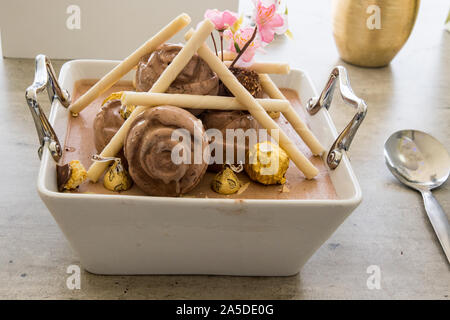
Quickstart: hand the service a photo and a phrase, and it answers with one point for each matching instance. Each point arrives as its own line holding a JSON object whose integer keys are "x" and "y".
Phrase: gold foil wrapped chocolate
{"x": 113, "y": 96}
{"x": 117, "y": 178}
{"x": 125, "y": 111}
{"x": 70, "y": 176}
{"x": 226, "y": 182}
{"x": 267, "y": 164}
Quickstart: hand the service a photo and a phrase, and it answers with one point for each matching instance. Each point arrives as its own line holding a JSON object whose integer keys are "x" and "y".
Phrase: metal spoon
{"x": 422, "y": 163}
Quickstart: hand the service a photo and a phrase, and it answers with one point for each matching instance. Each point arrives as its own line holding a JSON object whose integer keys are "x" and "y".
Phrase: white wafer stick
{"x": 196, "y": 101}
{"x": 256, "y": 110}
{"x": 267, "y": 67}
{"x": 130, "y": 62}
{"x": 228, "y": 55}
{"x": 161, "y": 85}
{"x": 259, "y": 67}
{"x": 294, "y": 119}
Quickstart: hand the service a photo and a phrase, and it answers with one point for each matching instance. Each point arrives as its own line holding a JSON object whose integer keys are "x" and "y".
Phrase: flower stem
{"x": 245, "y": 47}
{"x": 221, "y": 44}
{"x": 214, "y": 42}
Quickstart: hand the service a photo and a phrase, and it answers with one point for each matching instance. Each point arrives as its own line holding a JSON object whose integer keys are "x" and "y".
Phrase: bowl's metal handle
{"x": 344, "y": 139}
{"x": 45, "y": 77}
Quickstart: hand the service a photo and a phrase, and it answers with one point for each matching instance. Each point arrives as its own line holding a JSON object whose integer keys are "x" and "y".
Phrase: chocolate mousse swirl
{"x": 223, "y": 120}
{"x": 148, "y": 149}
{"x": 196, "y": 78}
{"x": 106, "y": 123}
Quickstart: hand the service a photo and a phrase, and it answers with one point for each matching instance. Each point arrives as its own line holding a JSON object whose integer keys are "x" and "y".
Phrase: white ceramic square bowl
{"x": 118, "y": 234}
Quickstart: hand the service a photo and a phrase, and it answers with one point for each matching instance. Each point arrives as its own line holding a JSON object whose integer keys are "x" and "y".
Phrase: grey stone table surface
{"x": 389, "y": 229}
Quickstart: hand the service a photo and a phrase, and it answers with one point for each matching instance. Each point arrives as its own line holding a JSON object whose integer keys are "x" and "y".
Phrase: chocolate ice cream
{"x": 223, "y": 120}
{"x": 107, "y": 122}
{"x": 196, "y": 78}
{"x": 148, "y": 149}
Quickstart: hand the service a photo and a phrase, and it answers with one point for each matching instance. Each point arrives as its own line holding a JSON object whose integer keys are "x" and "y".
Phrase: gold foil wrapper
{"x": 113, "y": 96}
{"x": 77, "y": 177}
{"x": 226, "y": 182}
{"x": 268, "y": 163}
{"x": 117, "y": 178}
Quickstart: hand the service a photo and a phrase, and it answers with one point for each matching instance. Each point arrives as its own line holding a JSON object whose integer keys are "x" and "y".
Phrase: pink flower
{"x": 239, "y": 39}
{"x": 221, "y": 19}
{"x": 268, "y": 21}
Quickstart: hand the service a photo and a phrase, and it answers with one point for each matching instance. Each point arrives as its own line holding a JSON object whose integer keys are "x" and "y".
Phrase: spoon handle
{"x": 438, "y": 220}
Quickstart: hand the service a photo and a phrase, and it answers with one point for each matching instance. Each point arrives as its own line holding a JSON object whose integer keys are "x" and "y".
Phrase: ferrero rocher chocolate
{"x": 226, "y": 182}
{"x": 268, "y": 163}
{"x": 70, "y": 176}
{"x": 113, "y": 96}
{"x": 249, "y": 79}
{"x": 117, "y": 178}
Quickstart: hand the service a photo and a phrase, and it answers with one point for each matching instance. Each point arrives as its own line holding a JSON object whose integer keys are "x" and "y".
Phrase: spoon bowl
{"x": 421, "y": 162}
{"x": 417, "y": 159}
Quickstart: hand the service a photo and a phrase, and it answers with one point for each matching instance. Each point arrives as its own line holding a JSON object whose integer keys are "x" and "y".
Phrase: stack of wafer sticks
{"x": 242, "y": 99}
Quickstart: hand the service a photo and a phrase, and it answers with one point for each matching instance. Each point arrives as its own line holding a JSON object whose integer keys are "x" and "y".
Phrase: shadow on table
{"x": 187, "y": 287}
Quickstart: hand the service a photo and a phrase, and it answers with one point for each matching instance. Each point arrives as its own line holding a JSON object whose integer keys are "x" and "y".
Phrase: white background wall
{"x": 109, "y": 29}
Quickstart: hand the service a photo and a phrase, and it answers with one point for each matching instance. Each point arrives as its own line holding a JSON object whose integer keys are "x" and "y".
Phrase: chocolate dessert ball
{"x": 106, "y": 123}
{"x": 149, "y": 145}
{"x": 223, "y": 120}
{"x": 196, "y": 78}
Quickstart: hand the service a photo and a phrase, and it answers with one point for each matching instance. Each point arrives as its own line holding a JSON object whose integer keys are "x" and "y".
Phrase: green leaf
{"x": 236, "y": 46}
